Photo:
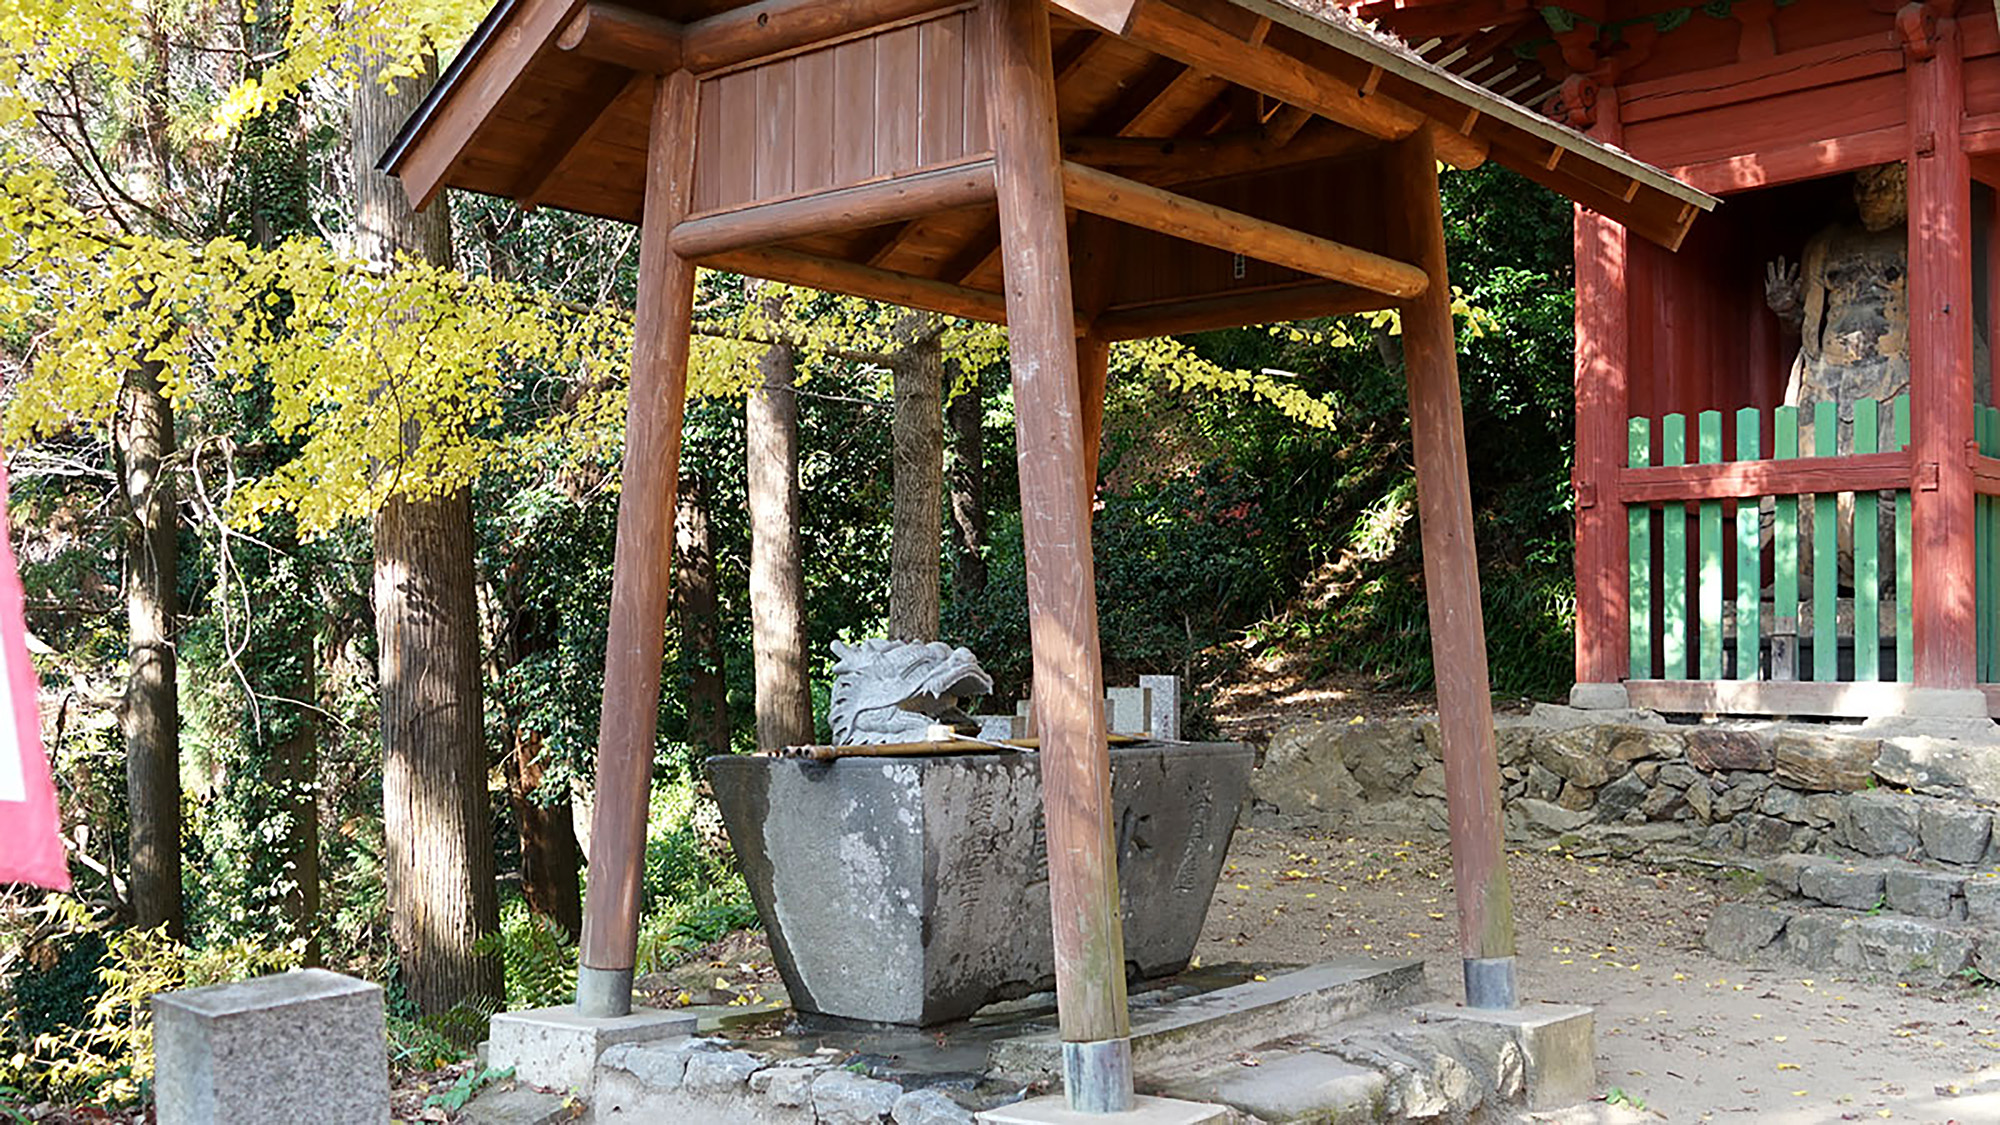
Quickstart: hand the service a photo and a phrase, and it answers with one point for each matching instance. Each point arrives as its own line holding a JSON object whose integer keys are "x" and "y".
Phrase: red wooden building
{"x": 1688, "y": 598}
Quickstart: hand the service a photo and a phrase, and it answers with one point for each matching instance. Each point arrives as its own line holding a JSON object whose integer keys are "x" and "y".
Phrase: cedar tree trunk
{"x": 695, "y": 608}
{"x": 436, "y": 816}
{"x": 918, "y": 519}
{"x": 150, "y": 713}
{"x": 777, "y": 576}
{"x": 965, "y": 416}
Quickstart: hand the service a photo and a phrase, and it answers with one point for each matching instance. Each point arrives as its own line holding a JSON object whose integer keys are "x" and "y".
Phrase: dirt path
{"x": 1681, "y": 1036}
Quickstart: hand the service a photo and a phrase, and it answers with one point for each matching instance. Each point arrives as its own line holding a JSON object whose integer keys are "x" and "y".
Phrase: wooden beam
{"x": 1169, "y": 31}
{"x": 776, "y": 26}
{"x": 1298, "y": 301}
{"x": 849, "y": 208}
{"x": 794, "y": 268}
{"x": 1286, "y": 123}
{"x": 436, "y": 149}
{"x": 1761, "y": 79}
{"x": 1129, "y": 201}
{"x": 1808, "y": 160}
{"x": 1062, "y": 604}
{"x": 1985, "y": 471}
{"x": 1944, "y": 624}
{"x": 1451, "y": 586}
{"x": 588, "y": 115}
{"x": 1859, "y": 472}
{"x": 621, "y": 36}
{"x": 642, "y": 563}
{"x": 1861, "y": 700}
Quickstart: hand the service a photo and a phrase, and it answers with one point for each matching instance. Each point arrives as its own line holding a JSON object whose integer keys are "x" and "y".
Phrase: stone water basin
{"x": 914, "y": 890}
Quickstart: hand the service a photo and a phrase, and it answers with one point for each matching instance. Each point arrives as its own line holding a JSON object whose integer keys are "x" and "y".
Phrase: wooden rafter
{"x": 1296, "y": 301}
{"x": 586, "y": 119}
{"x": 1179, "y": 34}
{"x": 432, "y": 158}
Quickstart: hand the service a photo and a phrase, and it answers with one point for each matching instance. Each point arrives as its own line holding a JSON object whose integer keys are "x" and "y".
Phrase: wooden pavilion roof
{"x": 1259, "y": 107}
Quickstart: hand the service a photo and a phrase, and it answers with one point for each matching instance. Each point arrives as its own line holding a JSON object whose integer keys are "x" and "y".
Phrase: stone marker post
{"x": 302, "y": 1047}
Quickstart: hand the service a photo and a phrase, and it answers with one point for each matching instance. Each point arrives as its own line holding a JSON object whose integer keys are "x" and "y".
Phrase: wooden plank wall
{"x": 894, "y": 101}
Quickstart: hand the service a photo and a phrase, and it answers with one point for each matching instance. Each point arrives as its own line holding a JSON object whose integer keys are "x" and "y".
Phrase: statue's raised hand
{"x": 1781, "y": 290}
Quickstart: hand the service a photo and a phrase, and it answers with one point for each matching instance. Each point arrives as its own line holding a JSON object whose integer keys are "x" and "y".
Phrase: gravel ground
{"x": 1681, "y": 1036}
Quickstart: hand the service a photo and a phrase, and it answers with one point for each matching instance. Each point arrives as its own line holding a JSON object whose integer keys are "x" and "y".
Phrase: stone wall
{"x": 1630, "y": 783}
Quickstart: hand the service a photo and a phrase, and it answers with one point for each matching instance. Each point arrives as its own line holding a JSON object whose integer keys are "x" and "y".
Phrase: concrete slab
{"x": 1557, "y": 1041}
{"x": 558, "y": 1047}
{"x": 1294, "y": 1086}
{"x": 1180, "y": 1035}
{"x": 518, "y": 1105}
{"x": 1053, "y": 1110}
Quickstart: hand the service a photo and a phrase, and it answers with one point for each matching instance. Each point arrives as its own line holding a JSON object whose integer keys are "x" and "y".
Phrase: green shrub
{"x": 540, "y": 959}
{"x": 108, "y": 1059}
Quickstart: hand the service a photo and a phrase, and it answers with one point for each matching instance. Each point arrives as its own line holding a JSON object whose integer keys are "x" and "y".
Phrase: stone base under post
{"x": 1055, "y": 1110}
{"x": 1599, "y": 697}
{"x": 558, "y": 1047}
{"x": 1558, "y": 1046}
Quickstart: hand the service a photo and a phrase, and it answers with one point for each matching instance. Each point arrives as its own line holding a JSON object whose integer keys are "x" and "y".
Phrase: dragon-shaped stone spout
{"x": 895, "y": 691}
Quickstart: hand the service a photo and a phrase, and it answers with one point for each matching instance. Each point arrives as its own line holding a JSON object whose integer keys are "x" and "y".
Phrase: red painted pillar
{"x": 1941, "y": 319}
{"x": 1603, "y": 358}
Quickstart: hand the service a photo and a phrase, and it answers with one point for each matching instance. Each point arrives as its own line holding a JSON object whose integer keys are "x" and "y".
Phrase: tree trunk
{"x": 966, "y": 416}
{"x": 548, "y": 840}
{"x": 279, "y": 179}
{"x": 777, "y": 576}
{"x": 436, "y": 819}
{"x": 695, "y": 608}
{"x": 150, "y": 713}
{"x": 918, "y": 520}
{"x": 291, "y": 772}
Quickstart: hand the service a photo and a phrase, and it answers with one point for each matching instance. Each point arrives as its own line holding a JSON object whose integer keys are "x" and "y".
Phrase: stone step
{"x": 1175, "y": 1037}
{"x": 1825, "y": 938}
{"x": 1433, "y": 1062}
{"x": 1929, "y": 891}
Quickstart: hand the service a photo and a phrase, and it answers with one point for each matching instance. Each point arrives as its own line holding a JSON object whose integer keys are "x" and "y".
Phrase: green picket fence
{"x": 1986, "y": 539}
{"x": 1693, "y": 620}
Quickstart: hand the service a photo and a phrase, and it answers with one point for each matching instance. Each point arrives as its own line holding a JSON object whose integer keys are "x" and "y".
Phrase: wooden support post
{"x": 1451, "y": 586}
{"x": 1941, "y": 317}
{"x": 1093, "y": 368}
{"x": 1062, "y": 600}
{"x": 639, "y": 577}
{"x": 1603, "y": 358}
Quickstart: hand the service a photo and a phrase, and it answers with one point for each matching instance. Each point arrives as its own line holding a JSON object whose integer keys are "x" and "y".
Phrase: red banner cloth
{"x": 31, "y": 849}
